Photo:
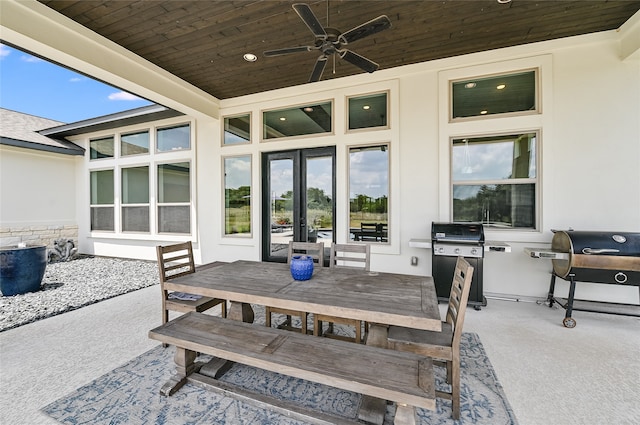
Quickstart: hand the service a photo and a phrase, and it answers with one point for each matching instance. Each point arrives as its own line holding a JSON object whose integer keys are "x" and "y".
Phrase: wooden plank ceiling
{"x": 203, "y": 42}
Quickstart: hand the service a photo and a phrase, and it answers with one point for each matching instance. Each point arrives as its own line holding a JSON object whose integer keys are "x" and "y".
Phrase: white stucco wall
{"x": 38, "y": 198}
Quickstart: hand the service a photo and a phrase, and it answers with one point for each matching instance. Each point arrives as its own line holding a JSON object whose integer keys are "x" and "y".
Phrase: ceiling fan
{"x": 330, "y": 41}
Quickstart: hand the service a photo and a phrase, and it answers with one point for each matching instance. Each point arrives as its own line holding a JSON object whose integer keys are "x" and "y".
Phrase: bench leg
{"x": 405, "y": 415}
{"x": 373, "y": 409}
{"x": 241, "y": 312}
{"x": 185, "y": 366}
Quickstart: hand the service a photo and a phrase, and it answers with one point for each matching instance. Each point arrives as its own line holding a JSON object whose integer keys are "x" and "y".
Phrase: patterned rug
{"x": 130, "y": 395}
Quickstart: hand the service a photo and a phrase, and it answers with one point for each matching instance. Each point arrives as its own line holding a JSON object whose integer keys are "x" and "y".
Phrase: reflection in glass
{"x": 500, "y": 205}
{"x": 298, "y": 121}
{"x": 237, "y": 130}
{"x": 369, "y": 193}
{"x": 494, "y": 95}
{"x": 495, "y": 157}
{"x": 134, "y": 144}
{"x": 101, "y": 148}
{"x": 174, "y": 188}
{"x": 173, "y": 138}
{"x": 102, "y": 198}
{"x": 281, "y": 185}
{"x": 135, "y": 199}
{"x": 494, "y": 180}
{"x": 319, "y": 198}
{"x": 237, "y": 195}
{"x": 368, "y": 111}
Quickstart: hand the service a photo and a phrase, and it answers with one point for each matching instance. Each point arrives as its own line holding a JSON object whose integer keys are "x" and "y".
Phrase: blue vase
{"x": 22, "y": 269}
{"x": 301, "y": 267}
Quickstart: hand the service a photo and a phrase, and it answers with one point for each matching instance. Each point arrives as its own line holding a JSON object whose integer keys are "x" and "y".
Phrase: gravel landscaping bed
{"x": 73, "y": 284}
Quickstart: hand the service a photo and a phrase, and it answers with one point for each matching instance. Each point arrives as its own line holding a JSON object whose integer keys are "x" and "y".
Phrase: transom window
{"x": 495, "y": 180}
{"x": 101, "y": 148}
{"x": 368, "y": 111}
{"x": 237, "y": 130}
{"x": 297, "y": 121}
{"x": 498, "y": 94}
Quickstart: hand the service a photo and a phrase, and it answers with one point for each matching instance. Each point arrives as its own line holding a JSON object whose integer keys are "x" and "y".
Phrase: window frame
{"x": 536, "y": 181}
{"x": 362, "y": 95}
{"x": 112, "y": 205}
{"x": 331, "y": 101}
{"x": 223, "y": 170}
{"x": 223, "y": 129}
{"x": 537, "y": 96}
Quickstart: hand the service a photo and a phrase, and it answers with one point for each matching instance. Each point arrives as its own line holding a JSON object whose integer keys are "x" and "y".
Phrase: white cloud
{"x": 77, "y": 79}
{"x": 122, "y": 95}
{"x": 4, "y": 51}
{"x": 30, "y": 59}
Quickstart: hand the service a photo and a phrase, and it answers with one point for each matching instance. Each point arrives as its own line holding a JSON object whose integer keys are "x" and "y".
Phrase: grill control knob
{"x": 457, "y": 250}
{"x": 474, "y": 251}
{"x": 441, "y": 249}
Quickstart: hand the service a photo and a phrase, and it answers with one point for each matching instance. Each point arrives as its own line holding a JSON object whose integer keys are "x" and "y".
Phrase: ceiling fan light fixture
{"x": 250, "y": 57}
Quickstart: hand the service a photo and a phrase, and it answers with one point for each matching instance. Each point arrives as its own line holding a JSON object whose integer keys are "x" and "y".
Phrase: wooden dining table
{"x": 374, "y": 297}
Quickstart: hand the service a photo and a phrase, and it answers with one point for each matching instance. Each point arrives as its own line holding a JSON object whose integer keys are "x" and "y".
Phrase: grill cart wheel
{"x": 569, "y": 322}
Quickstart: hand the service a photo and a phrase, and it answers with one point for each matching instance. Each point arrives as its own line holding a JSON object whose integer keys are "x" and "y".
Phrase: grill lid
{"x": 596, "y": 250}
{"x": 457, "y": 232}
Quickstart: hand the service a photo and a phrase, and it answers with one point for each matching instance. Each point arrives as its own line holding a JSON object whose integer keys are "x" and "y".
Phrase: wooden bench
{"x": 404, "y": 378}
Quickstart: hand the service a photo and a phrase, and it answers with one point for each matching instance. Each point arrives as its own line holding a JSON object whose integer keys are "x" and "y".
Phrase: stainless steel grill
{"x": 449, "y": 241}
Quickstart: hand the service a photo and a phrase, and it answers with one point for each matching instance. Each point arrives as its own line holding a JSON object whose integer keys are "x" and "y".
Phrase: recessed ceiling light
{"x": 250, "y": 57}
{"x": 308, "y": 109}
{"x": 504, "y": 1}
{"x": 501, "y": 86}
{"x": 283, "y": 119}
{"x": 366, "y": 107}
{"x": 483, "y": 112}
{"x": 469, "y": 85}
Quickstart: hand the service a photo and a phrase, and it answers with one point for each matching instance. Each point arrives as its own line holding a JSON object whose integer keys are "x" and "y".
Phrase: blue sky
{"x": 37, "y": 87}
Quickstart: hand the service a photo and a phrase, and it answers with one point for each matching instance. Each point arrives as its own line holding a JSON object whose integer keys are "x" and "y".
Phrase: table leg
{"x": 185, "y": 366}
{"x": 405, "y": 415}
{"x": 241, "y": 312}
{"x": 373, "y": 409}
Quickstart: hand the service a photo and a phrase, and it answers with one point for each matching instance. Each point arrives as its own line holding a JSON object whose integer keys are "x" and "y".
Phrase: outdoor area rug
{"x": 130, "y": 395}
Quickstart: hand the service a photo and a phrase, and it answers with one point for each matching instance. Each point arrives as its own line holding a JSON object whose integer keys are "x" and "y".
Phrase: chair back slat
{"x": 175, "y": 260}
{"x": 459, "y": 296}
{"x": 312, "y": 249}
{"x": 354, "y": 256}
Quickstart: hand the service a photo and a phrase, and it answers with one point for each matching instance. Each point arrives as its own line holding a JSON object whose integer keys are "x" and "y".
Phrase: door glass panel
{"x": 319, "y": 206}
{"x": 281, "y": 186}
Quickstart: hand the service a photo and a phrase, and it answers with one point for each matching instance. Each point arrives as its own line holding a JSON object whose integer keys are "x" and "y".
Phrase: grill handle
{"x": 599, "y": 251}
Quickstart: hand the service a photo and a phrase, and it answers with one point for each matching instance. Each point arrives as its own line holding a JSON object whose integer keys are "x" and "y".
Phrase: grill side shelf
{"x": 546, "y": 253}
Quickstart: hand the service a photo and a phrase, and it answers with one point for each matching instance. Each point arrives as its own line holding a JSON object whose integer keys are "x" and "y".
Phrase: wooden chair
{"x": 315, "y": 250}
{"x": 174, "y": 261}
{"x": 343, "y": 255}
{"x": 443, "y": 346}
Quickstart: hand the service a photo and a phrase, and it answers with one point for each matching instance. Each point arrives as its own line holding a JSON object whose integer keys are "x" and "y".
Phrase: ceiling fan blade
{"x": 359, "y": 61}
{"x": 378, "y": 24}
{"x": 309, "y": 18}
{"x": 286, "y": 51}
{"x": 318, "y": 69}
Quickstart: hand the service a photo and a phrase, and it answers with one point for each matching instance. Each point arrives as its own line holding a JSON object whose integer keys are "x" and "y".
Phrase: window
{"x": 237, "y": 130}
{"x": 369, "y": 193}
{"x": 495, "y": 180}
{"x": 498, "y": 94}
{"x": 368, "y": 111}
{"x": 237, "y": 195}
{"x": 102, "y": 200}
{"x": 134, "y": 144}
{"x": 135, "y": 199}
{"x": 101, "y": 148}
{"x": 174, "y": 138}
{"x": 297, "y": 121}
{"x": 174, "y": 198}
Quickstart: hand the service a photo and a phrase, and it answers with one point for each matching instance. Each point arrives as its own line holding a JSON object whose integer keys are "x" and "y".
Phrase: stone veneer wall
{"x": 37, "y": 235}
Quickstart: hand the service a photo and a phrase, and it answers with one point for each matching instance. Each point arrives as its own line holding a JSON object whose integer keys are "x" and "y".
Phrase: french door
{"x": 298, "y": 199}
